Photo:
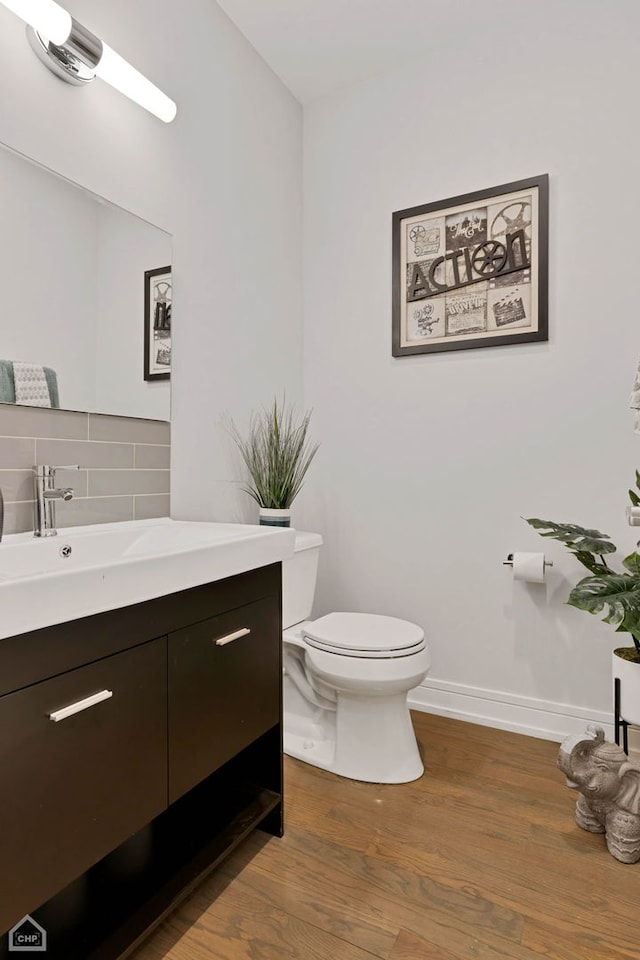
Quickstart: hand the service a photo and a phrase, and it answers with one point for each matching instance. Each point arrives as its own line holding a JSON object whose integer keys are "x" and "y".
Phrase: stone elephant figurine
{"x": 609, "y": 788}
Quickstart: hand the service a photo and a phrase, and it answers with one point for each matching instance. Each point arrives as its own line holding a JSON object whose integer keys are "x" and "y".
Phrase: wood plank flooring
{"x": 480, "y": 859}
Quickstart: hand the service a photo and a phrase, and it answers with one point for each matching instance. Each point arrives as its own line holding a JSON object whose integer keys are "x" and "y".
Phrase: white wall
{"x": 48, "y": 246}
{"x": 127, "y": 246}
{"x": 73, "y": 292}
{"x": 428, "y": 464}
{"x": 224, "y": 179}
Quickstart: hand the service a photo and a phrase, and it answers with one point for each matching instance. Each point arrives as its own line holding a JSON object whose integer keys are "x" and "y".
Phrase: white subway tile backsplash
{"x": 17, "y": 453}
{"x": 17, "y": 421}
{"x": 85, "y": 453}
{"x": 76, "y": 513}
{"x": 152, "y": 457}
{"x": 124, "y": 461}
{"x": 128, "y": 429}
{"x": 18, "y": 517}
{"x": 151, "y": 506}
{"x": 16, "y": 484}
{"x": 105, "y": 483}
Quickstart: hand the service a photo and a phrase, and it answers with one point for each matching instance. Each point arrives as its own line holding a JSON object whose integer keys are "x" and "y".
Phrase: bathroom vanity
{"x": 139, "y": 746}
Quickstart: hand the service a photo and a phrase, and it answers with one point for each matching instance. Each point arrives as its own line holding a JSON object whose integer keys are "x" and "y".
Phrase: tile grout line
{"x": 102, "y": 496}
{"x": 95, "y": 469}
{"x": 129, "y": 443}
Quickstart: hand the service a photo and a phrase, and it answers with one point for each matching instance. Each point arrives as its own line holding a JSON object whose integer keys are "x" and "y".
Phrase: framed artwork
{"x": 157, "y": 324}
{"x": 472, "y": 271}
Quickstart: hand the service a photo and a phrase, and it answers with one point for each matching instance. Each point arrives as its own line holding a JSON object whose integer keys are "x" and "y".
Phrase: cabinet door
{"x": 78, "y": 782}
{"x": 224, "y": 689}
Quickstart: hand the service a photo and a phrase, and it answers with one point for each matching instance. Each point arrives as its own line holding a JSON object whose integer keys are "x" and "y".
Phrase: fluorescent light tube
{"x": 45, "y": 16}
{"x": 83, "y": 55}
{"x": 113, "y": 69}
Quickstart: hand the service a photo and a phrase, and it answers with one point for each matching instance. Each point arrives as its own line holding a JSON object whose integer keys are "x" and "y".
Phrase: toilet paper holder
{"x": 509, "y": 561}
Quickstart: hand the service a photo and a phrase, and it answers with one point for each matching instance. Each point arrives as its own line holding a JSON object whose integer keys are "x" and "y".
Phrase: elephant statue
{"x": 609, "y": 788}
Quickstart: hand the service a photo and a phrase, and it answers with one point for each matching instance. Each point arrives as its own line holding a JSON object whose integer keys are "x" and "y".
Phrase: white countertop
{"x": 115, "y": 565}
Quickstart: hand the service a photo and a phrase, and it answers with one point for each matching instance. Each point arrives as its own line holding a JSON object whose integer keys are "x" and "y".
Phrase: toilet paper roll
{"x": 633, "y": 516}
{"x": 528, "y": 567}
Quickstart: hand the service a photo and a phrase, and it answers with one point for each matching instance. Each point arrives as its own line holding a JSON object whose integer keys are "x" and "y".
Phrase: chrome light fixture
{"x": 76, "y": 55}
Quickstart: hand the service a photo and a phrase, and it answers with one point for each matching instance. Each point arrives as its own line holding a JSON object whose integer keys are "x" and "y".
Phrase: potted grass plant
{"x": 277, "y": 453}
{"x": 610, "y": 592}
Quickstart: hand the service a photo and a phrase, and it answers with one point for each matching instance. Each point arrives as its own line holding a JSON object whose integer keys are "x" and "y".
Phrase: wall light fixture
{"x": 76, "y": 55}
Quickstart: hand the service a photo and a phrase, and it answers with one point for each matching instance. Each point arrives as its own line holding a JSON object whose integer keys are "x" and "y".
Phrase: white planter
{"x": 275, "y": 518}
{"x": 629, "y": 675}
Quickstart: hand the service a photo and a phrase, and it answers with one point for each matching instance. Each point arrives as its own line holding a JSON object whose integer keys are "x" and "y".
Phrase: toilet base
{"x": 319, "y": 753}
{"x": 375, "y": 741}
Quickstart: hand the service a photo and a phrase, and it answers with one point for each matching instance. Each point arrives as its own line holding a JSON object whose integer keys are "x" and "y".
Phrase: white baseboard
{"x": 545, "y": 719}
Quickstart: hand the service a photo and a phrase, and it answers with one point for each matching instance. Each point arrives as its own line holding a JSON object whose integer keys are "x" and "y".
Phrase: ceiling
{"x": 318, "y": 46}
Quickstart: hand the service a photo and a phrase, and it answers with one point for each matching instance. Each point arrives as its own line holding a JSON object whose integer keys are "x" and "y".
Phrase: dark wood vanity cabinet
{"x": 171, "y": 753}
{"x": 223, "y": 690}
{"x": 81, "y": 785}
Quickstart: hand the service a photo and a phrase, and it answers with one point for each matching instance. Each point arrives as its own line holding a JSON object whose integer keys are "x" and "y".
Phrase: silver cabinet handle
{"x": 80, "y": 705}
{"x": 230, "y": 637}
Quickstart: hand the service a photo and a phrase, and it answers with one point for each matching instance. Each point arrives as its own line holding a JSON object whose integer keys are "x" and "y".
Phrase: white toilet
{"x": 346, "y": 680}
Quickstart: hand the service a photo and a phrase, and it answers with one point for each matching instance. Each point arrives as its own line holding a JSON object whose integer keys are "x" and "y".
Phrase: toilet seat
{"x": 364, "y": 635}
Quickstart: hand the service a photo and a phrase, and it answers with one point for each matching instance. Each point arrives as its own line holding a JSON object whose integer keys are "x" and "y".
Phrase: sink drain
{"x": 65, "y": 551}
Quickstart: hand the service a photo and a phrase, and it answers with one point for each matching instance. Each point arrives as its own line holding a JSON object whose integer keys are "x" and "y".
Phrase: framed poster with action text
{"x": 472, "y": 271}
{"x": 157, "y": 324}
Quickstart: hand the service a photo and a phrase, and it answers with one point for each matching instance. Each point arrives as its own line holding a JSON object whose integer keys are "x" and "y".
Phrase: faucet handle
{"x": 44, "y": 470}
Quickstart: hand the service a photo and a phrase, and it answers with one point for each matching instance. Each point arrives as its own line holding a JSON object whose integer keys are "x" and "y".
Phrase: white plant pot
{"x": 275, "y": 518}
{"x": 629, "y": 675}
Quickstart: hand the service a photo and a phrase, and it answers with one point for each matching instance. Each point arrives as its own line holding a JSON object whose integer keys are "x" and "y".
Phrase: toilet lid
{"x": 364, "y": 635}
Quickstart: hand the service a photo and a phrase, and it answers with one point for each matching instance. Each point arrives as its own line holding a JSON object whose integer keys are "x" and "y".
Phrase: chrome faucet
{"x": 46, "y": 495}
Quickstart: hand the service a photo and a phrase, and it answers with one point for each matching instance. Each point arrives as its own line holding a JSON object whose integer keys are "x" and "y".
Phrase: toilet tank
{"x": 299, "y": 578}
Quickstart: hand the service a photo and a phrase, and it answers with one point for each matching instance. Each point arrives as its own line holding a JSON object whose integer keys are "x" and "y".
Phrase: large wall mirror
{"x": 86, "y": 299}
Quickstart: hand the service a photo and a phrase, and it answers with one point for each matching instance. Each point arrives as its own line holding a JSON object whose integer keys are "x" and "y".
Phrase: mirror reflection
{"x": 86, "y": 299}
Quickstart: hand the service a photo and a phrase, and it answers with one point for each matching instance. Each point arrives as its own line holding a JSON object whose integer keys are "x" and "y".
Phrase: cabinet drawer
{"x": 77, "y": 783}
{"x": 224, "y": 689}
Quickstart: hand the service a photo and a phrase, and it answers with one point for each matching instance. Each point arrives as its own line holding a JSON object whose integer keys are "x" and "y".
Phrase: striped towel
{"x": 31, "y": 384}
{"x": 8, "y": 389}
{"x": 634, "y": 401}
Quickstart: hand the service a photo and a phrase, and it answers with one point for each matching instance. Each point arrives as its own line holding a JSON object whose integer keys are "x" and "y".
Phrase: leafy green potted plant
{"x": 613, "y": 593}
{"x": 277, "y": 453}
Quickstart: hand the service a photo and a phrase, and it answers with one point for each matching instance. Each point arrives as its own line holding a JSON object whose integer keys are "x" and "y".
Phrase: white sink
{"x": 86, "y": 570}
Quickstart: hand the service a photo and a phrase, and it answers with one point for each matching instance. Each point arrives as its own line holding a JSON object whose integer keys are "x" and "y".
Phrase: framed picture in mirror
{"x": 157, "y": 324}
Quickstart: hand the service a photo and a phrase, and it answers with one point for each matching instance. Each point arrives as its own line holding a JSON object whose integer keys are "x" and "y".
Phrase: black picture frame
{"x": 477, "y": 268}
{"x": 157, "y": 323}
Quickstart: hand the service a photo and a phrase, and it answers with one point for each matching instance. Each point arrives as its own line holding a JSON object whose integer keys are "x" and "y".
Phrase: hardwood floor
{"x": 480, "y": 859}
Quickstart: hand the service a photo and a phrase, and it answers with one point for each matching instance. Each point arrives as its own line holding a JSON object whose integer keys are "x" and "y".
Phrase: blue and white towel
{"x": 8, "y": 384}
{"x": 31, "y": 384}
{"x": 7, "y": 389}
